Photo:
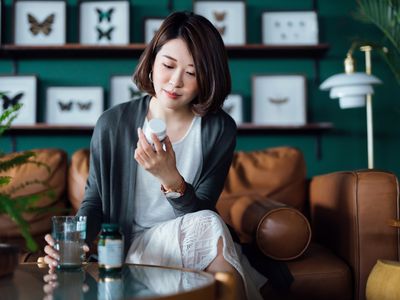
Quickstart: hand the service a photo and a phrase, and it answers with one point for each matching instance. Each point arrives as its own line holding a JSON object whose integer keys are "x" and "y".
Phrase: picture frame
{"x": 123, "y": 89}
{"x": 104, "y": 22}
{"x": 233, "y": 105}
{"x": 228, "y": 16}
{"x": 39, "y": 23}
{"x": 20, "y": 89}
{"x": 290, "y": 28}
{"x": 72, "y": 105}
{"x": 279, "y": 100}
{"x": 150, "y": 27}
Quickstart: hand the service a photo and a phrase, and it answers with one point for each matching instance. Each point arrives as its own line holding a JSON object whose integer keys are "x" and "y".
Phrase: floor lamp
{"x": 354, "y": 89}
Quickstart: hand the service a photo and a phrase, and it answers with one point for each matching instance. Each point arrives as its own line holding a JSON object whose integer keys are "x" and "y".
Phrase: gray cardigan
{"x": 110, "y": 188}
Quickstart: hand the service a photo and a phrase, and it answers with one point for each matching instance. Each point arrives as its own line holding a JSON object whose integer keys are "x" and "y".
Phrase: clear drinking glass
{"x": 69, "y": 233}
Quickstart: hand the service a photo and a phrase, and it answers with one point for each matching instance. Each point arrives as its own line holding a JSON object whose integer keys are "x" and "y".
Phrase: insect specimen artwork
{"x": 39, "y": 22}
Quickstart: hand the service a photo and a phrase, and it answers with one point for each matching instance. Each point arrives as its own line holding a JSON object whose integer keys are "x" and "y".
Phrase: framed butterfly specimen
{"x": 122, "y": 89}
{"x": 20, "y": 89}
{"x": 228, "y": 17}
{"x": 104, "y": 22}
{"x": 290, "y": 28}
{"x": 233, "y": 105}
{"x": 151, "y": 25}
{"x": 79, "y": 106}
{"x": 39, "y": 22}
{"x": 279, "y": 99}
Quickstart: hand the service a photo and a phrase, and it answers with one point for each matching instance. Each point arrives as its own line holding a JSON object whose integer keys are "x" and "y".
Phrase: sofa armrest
{"x": 279, "y": 231}
{"x": 350, "y": 212}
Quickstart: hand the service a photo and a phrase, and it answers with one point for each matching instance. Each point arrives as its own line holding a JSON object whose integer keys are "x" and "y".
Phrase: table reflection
{"x": 133, "y": 281}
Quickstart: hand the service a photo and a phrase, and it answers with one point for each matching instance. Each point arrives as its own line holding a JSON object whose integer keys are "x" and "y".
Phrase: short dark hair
{"x": 209, "y": 54}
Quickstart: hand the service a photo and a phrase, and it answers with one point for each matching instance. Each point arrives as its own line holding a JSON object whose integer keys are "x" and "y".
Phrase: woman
{"x": 164, "y": 196}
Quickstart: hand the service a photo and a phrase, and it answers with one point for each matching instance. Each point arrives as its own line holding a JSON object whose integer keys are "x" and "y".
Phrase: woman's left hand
{"x": 158, "y": 161}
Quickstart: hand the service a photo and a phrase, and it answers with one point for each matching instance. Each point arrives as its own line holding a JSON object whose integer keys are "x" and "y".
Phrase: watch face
{"x": 173, "y": 195}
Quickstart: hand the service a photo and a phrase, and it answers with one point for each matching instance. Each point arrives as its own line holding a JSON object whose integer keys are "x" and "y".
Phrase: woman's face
{"x": 174, "y": 75}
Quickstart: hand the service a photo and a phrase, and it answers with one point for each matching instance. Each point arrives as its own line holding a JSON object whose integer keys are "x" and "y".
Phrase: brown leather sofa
{"x": 329, "y": 231}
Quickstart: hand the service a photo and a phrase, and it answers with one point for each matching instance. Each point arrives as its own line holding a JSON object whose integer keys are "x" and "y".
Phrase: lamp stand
{"x": 370, "y": 136}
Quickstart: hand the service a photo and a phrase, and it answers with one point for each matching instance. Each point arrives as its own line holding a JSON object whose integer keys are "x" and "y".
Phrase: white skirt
{"x": 191, "y": 242}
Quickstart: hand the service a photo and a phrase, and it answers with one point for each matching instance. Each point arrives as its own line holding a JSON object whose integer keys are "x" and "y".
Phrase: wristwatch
{"x": 176, "y": 193}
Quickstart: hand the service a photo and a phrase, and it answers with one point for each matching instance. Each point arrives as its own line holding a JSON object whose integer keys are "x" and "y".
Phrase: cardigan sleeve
{"x": 91, "y": 206}
{"x": 205, "y": 192}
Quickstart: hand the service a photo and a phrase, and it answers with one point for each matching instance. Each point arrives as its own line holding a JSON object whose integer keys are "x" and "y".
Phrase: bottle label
{"x": 110, "y": 253}
{"x": 110, "y": 289}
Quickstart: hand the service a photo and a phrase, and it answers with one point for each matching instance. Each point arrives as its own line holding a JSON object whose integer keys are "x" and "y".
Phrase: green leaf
{"x": 5, "y": 180}
{"x": 385, "y": 15}
{"x": 9, "y": 206}
{"x": 17, "y": 160}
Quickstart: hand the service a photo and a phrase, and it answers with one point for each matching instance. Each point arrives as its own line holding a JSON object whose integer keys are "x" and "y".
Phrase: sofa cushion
{"x": 318, "y": 274}
{"x": 275, "y": 173}
{"x": 280, "y": 232}
{"x": 40, "y": 224}
{"x": 77, "y": 175}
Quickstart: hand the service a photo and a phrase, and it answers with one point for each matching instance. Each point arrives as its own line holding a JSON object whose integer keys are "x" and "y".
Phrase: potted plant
{"x": 385, "y": 15}
{"x": 16, "y": 206}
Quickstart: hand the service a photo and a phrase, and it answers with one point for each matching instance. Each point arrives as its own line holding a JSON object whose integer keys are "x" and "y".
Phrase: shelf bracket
{"x": 316, "y": 71}
{"x": 318, "y": 146}
{"x": 14, "y": 69}
{"x": 13, "y": 139}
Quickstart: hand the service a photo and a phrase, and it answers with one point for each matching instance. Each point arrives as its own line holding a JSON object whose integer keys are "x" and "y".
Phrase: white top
{"x": 151, "y": 206}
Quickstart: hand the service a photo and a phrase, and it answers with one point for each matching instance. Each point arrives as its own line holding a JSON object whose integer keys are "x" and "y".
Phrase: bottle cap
{"x": 158, "y": 127}
{"x": 110, "y": 226}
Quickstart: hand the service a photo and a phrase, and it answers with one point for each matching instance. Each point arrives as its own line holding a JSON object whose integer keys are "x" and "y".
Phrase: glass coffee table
{"x": 33, "y": 281}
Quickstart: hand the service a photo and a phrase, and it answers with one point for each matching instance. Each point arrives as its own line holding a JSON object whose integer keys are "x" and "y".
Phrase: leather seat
{"x": 348, "y": 214}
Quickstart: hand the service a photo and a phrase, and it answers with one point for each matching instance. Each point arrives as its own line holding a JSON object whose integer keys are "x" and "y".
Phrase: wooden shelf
{"x": 46, "y": 129}
{"x": 312, "y": 128}
{"x": 246, "y": 128}
{"x": 135, "y": 50}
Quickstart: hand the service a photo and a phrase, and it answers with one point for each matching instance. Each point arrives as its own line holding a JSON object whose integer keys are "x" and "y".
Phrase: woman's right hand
{"x": 52, "y": 255}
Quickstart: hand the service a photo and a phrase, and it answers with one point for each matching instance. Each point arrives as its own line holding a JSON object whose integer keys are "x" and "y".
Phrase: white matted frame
{"x": 290, "y": 28}
{"x": 233, "y": 105}
{"x": 104, "y": 22}
{"x": 74, "y": 105}
{"x": 279, "y": 100}
{"x": 20, "y": 89}
{"x": 150, "y": 26}
{"x": 228, "y": 16}
{"x": 123, "y": 89}
{"x": 39, "y": 22}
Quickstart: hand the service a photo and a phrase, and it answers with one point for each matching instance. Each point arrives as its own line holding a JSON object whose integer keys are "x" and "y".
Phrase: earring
{"x": 151, "y": 76}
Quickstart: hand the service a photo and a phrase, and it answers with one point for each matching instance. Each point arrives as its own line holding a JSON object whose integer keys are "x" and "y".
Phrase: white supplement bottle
{"x": 158, "y": 127}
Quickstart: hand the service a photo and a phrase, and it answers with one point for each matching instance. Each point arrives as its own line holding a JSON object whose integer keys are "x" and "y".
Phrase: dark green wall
{"x": 343, "y": 148}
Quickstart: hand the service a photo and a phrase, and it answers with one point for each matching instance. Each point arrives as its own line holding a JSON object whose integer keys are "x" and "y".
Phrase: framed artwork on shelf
{"x": 122, "y": 89}
{"x": 233, "y": 105}
{"x": 39, "y": 22}
{"x": 104, "y": 22}
{"x": 279, "y": 100}
{"x": 74, "y": 105}
{"x": 290, "y": 28}
{"x": 229, "y": 17}
{"x": 151, "y": 25}
{"x": 20, "y": 89}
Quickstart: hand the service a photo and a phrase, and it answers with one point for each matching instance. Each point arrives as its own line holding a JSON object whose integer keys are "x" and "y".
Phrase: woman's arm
{"x": 204, "y": 193}
{"x": 91, "y": 205}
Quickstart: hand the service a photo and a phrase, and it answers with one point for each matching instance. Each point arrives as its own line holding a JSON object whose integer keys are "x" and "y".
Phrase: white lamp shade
{"x": 348, "y": 90}
{"x": 351, "y": 101}
{"x": 344, "y": 79}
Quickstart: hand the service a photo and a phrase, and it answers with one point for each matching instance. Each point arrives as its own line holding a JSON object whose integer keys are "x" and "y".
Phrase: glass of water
{"x": 69, "y": 234}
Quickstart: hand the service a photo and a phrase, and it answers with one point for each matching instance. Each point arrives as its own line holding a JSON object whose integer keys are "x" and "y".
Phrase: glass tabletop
{"x": 30, "y": 281}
